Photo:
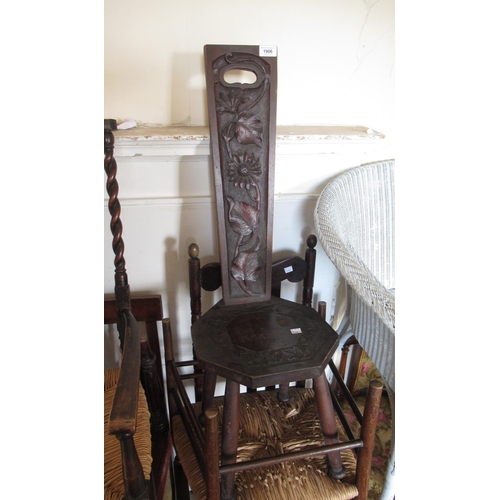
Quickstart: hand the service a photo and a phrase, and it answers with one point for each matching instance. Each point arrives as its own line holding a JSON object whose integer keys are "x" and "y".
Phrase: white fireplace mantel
{"x": 183, "y": 140}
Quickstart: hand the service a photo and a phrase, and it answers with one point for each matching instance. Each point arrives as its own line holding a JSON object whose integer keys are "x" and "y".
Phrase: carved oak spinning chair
{"x": 252, "y": 337}
{"x": 137, "y": 439}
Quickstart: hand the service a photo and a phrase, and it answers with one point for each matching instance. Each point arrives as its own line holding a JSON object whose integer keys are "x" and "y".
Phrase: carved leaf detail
{"x": 229, "y": 130}
{"x": 246, "y": 267}
{"x": 249, "y": 130}
{"x": 243, "y": 218}
{"x": 233, "y": 101}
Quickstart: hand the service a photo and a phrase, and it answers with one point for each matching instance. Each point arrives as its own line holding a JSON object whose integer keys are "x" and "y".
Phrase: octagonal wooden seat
{"x": 264, "y": 343}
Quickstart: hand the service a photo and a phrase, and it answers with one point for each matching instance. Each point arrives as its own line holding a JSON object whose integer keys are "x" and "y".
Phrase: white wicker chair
{"x": 354, "y": 219}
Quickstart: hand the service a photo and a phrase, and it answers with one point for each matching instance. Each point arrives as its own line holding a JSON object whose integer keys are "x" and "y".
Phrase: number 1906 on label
{"x": 268, "y": 50}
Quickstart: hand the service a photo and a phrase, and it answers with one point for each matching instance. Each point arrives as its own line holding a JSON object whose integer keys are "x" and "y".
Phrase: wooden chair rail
{"x": 345, "y": 392}
{"x": 313, "y": 451}
{"x": 124, "y": 410}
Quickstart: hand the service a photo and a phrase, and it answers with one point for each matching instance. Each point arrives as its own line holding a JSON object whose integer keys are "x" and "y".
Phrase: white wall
{"x": 335, "y": 57}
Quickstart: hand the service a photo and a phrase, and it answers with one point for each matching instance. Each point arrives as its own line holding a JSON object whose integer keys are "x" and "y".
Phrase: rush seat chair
{"x": 137, "y": 439}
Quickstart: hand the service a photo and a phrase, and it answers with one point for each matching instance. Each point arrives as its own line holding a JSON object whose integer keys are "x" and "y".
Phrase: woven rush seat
{"x": 113, "y": 478}
{"x": 268, "y": 428}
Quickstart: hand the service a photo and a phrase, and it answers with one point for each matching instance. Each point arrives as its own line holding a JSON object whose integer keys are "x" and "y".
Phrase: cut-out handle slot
{"x": 240, "y": 76}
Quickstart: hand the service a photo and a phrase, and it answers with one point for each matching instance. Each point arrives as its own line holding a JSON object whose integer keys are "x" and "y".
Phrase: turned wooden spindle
{"x": 123, "y": 428}
{"x": 194, "y": 282}
{"x": 133, "y": 477}
{"x": 322, "y": 309}
{"x": 153, "y": 387}
{"x": 169, "y": 359}
{"x": 310, "y": 259}
{"x": 122, "y": 290}
{"x": 195, "y": 294}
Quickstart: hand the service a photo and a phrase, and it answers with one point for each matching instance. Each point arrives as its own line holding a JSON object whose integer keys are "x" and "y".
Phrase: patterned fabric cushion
{"x": 365, "y": 374}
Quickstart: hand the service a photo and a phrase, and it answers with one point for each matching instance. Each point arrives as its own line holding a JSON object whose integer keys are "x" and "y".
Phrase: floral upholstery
{"x": 365, "y": 374}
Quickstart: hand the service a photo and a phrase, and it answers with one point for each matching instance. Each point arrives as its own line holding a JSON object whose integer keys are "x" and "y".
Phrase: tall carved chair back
{"x": 243, "y": 135}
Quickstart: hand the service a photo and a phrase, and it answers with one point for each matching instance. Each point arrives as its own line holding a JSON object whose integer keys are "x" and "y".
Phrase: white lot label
{"x": 268, "y": 50}
{"x": 289, "y": 269}
{"x": 295, "y": 331}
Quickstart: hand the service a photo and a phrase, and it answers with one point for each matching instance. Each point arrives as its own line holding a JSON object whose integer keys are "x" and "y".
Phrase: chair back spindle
{"x": 122, "y": 289}
{"x": 120, "y": 424}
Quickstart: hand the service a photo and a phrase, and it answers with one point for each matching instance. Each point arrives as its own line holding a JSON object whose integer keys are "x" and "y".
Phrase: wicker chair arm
{"x": 364, "y": 283}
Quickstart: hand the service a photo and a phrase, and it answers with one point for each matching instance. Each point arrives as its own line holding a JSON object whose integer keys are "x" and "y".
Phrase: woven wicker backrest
{"x": 355, "y": 217}
{"x": 363, "y": 216}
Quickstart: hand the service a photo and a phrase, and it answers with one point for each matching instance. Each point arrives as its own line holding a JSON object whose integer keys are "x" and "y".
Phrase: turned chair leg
{"x": 368, "y": 429}
{"x": 284, "y": 393}
{"x": 212, "y": 455}
{"x": 133, "y": 476}
{"x": 328, "y": 425}
{"x": 209, "y": 383}
{"x": 230, "y": 427}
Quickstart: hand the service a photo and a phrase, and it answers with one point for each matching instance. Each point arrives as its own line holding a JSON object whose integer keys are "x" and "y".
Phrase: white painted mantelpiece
{"x": 167, "y": 202}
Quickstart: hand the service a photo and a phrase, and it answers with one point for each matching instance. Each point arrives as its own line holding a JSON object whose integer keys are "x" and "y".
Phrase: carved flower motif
{"x": 231, "y": 101}
{"x": 243, "y": 218}
{"x": 244, "y": 170}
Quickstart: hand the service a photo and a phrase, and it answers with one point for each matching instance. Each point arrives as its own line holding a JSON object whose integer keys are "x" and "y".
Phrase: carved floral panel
{"x": 243, "y": 115}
